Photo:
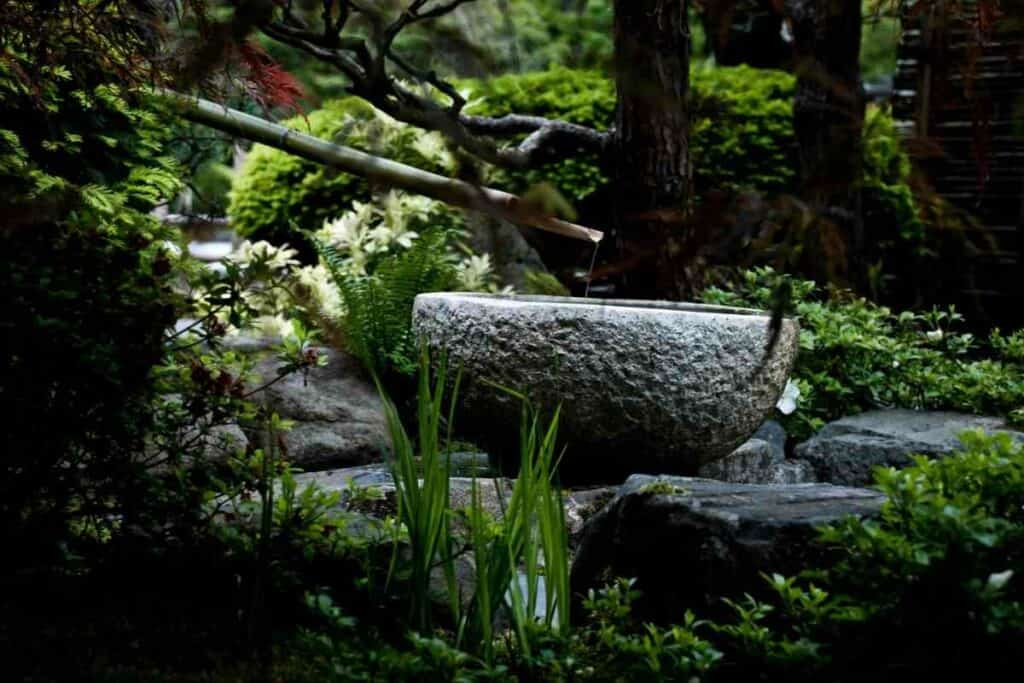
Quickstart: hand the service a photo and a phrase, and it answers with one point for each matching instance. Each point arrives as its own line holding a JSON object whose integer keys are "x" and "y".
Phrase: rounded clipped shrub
{"x": 276, "y": 194}
{"x": 579, "y": 96}
{"x": 742, "y": 129}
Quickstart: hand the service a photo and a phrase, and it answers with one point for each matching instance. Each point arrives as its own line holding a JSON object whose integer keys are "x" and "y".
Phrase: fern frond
{"x": 378, "y": 306}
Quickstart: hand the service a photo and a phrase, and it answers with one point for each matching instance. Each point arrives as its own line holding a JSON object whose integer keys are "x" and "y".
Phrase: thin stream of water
{"x": 590, "y": 271}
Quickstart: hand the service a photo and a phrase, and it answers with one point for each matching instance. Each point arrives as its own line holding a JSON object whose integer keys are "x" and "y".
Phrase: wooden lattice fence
{"x": 959, "y": 97}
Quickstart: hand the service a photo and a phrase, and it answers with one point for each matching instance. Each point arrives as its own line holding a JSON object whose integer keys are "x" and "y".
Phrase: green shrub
{"x": 930, "y": 589}
{"x": 276, "y": 192}
{"x": 856, "y": 355}
{"x": 742, "y": 129}
{"x": 742, "y": 132}
{"x": 946, "y": 557}
{"x": 86, "y": 291}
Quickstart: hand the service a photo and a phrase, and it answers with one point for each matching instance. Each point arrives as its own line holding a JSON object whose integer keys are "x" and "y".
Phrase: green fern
{"x": 378, "y": 307}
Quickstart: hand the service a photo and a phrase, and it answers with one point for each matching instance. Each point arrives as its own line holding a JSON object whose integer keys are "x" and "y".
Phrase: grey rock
{"x": 338, "y": 415}
{"x": 774, "y": 434}
{"x": 690, "y": 541}
{"x": 224, "y": 441}
{"x": 493, "y": 493}
{"x": 511, "y": 256}
{"x": 846, "y": 451}
{"x": 210, "y": 250}
{"x": 644, "y": 386}
{"x": 245, "y": 343}
{"x": 341, "y": 479}
{"x": 758, "y": 462}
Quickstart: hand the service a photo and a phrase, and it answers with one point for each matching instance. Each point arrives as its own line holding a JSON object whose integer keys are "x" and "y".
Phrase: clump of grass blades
{"x": 526, "y": 555}
{"x": 423, "y": 503}
{"x": 518, "y": 558}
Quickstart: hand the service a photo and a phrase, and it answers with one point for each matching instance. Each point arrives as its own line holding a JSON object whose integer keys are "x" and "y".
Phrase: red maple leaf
{"x": 270, "y": 85}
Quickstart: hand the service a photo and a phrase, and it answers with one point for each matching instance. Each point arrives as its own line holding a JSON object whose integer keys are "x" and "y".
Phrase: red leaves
{"x": 270, "y": 85}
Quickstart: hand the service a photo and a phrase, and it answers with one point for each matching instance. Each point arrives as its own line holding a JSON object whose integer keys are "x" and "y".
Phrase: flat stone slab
{"x": 847, "y": 450}
{"x": 689, "y": 541}
{"x": 494, "y": 493}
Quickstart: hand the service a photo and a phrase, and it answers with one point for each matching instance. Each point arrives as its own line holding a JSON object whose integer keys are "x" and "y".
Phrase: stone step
{"x": 689, "y": 541}
{"x": 847, "y": 450}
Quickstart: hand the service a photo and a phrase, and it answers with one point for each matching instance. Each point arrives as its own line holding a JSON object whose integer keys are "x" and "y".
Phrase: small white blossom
{"x": 322, "y": 291}
{"x": 790, "y": 396}
{"x": 272, "y": 326}
{"x": 351, "y": 230}
{"x": 934, "y": 335}
{"x": 264, "y": 253}
{"x": 172, "y": 249}
{"x": 1000, "y": 579}
{"x": 474, "y": 273}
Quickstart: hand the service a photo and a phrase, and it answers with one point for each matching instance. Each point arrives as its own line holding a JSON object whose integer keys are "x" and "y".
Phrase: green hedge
{"x": 742, "y": 137}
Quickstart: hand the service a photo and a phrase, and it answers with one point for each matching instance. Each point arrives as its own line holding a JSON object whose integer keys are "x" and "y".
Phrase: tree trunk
{"x": 651, "y": 165}
{"x": 828, "y": 118}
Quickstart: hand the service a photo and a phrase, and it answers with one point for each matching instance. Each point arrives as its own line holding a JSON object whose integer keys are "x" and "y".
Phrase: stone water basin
{"x": 644, "y": 386}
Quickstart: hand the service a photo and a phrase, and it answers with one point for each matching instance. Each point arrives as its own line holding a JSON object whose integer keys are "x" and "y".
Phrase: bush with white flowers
{"x": 367, "y": 240}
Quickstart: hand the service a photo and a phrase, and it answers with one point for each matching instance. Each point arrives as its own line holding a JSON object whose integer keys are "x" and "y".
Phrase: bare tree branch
{"x": 364, "y": 62}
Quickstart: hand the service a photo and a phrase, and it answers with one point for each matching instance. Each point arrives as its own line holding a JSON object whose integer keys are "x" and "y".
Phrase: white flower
{"x": 474, "y": 273}
{"x": 264, "y": 253}
{"x": 1000, "y": 579}
{"x": 432, "y": 147}
{"x": 172, "y": 249}
{"x": 934, "y": 335}
{"x": 322, "y": 291}
{"x": 351, "y": 230}
{"x": 790, "y": 396}
{"x": 272, "y": 326}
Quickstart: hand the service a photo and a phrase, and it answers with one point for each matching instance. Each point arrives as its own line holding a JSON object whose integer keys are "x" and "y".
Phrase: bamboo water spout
{"x": 398, "y": 175}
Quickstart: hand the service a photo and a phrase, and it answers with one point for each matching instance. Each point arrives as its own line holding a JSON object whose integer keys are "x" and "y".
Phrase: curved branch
{"x": 547, "y": 139}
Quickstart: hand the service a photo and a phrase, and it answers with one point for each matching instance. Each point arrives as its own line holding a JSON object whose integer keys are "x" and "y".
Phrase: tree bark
{"x": 651, "y": 159}
{"x": 828, "y": 118}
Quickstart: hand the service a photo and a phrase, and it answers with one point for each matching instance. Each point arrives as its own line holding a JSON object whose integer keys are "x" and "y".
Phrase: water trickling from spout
{"x": 590, "y": 271}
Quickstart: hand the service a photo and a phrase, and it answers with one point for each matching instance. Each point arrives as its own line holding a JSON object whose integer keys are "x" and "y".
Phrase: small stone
{"x": 773, "y": 433}
{"x": 470, "y": 464}
{"x": 759, "y": 462}
{"x": 210, "y": 251}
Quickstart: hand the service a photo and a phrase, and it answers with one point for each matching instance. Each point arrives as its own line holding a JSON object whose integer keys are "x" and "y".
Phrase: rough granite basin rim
{"x": 633, "y": 304}
{"x": 644, "y": 386}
